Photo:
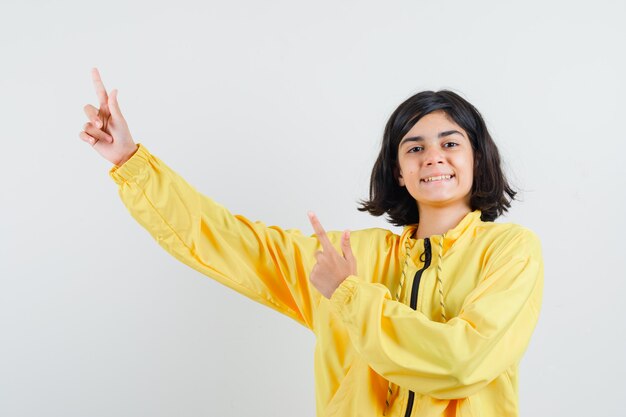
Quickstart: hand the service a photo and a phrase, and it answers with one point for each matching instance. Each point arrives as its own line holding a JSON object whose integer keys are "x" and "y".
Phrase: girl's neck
{"x": 438, "y": 220}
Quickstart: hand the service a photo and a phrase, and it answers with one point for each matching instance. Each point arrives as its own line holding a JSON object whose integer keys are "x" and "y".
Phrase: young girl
{"x": 432, "y": 322}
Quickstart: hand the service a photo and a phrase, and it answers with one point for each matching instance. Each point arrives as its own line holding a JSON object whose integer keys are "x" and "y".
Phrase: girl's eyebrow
{"x": 421, "y": 139}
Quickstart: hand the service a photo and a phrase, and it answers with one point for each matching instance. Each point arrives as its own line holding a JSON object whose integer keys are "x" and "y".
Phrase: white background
{"x": 274, "y": 108}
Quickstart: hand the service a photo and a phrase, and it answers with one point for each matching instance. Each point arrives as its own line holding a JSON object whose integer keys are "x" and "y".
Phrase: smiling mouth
{"x": 437, "y": 178}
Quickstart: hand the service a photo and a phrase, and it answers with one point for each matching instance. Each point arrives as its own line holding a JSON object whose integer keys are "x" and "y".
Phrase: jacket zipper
{"x": 416, "y": 284}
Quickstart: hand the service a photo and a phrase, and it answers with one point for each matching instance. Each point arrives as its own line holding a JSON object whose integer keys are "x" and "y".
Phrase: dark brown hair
{"x": 490, "y": 193}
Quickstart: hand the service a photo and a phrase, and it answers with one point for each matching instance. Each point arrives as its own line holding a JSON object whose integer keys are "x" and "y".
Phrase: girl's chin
{"x": 435, "y": 197}
{"x": 442, "y": 200}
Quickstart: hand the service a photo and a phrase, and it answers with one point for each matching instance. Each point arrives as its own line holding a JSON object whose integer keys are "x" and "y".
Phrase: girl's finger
{"x": 85, "y": 137}
{"x": 97, "y": 133}
{"x": 114, "y": 106}
{"x": 346, "y": 248}
{"x": 101, "y": 92}
{"x": 320, "y": 232}
{"x": 92, "y": 115}
{"x": 345, "y": 245}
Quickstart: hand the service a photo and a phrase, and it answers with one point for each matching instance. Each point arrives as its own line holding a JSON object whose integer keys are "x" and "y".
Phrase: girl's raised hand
{"x": 331, "y": 268}
{"x": 106, "y": 130}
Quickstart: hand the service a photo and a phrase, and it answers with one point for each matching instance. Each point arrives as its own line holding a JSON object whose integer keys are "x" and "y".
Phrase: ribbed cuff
{"x": 131, "y": 168}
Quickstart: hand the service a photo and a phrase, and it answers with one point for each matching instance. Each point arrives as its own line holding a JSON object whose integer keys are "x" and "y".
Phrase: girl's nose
{"x": 433, "y": 156}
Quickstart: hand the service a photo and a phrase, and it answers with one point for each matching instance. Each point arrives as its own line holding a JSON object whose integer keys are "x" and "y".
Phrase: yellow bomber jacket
{"x": 371, "y": 349}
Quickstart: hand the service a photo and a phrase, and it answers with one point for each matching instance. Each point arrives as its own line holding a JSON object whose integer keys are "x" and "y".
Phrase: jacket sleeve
{"x": 457, "y": 358}
{"x": 266, "y": 264}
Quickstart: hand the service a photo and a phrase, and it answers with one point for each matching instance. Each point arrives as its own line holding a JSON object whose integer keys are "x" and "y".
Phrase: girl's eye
{"x": 450, "y": 144}
{"x": 415, "y": 149}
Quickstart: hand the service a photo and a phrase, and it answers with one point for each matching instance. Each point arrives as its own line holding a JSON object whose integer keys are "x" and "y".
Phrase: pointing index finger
{"x": 320, "y": 232}
{"x": 101, "y": 92}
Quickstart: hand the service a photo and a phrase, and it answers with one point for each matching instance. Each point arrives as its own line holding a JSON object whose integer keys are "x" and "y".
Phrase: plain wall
{"x": 275, "y": 108}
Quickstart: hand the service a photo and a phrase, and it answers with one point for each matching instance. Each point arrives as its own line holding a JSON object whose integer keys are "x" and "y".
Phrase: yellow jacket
{"x": 368, "y": 344}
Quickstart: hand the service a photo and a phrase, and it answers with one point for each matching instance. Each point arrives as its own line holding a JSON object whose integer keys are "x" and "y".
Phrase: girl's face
{"x": 436, "y": 162}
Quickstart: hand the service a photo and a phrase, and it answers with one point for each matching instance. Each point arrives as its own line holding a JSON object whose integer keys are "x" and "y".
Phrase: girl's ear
{"x": 477, "y": 161}
{"x": 398, "y": 174}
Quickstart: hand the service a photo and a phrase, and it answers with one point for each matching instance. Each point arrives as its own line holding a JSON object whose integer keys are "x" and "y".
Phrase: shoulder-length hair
{"x": 490, "y": 192}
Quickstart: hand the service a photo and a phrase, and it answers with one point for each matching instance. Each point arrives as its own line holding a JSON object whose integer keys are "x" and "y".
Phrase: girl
{"x": 431, "y": 322}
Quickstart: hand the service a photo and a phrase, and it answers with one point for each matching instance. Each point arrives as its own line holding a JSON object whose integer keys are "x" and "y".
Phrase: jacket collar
{"x": 469, "y": 222}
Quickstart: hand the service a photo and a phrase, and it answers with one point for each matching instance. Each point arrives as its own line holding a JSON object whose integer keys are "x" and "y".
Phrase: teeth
{"x": 439, "y": 178}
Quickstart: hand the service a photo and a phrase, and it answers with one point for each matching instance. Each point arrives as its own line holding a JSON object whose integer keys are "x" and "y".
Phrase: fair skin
{"x": 332, "y": 268}
{"x": 107, "y": 131}
{"x": 427, "y": 150}
{"x": 437, "y": 146}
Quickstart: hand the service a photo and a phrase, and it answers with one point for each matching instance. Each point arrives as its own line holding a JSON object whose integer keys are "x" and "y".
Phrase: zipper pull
{"x": 427, "y": 251}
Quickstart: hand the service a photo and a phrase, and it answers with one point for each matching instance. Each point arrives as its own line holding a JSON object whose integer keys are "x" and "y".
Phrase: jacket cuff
{"x": 341, "y": 298}
{"x": 132, "y": 167}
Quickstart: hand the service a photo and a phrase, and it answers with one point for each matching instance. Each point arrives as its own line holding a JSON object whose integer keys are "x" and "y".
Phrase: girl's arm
{"x": 457, "y": 358}
{"x": 266, "y": 264}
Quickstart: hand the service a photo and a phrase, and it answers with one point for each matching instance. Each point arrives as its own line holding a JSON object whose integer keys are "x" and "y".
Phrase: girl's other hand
{"x": 332, "y": 268}
{"x": 106, "y": 130}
